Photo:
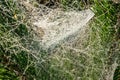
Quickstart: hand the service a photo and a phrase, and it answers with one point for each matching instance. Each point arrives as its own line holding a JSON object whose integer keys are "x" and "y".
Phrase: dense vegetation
{"x": 21, "y": 57}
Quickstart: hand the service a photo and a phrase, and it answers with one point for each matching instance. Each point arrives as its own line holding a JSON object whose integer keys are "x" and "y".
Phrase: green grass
{"x": 15, "y": 41}
{"x": 7, "y": 75}
{"x": 22, "y": 57}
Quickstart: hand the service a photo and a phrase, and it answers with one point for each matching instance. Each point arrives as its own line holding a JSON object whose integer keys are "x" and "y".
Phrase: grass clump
{"x": 15, "y": 42}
